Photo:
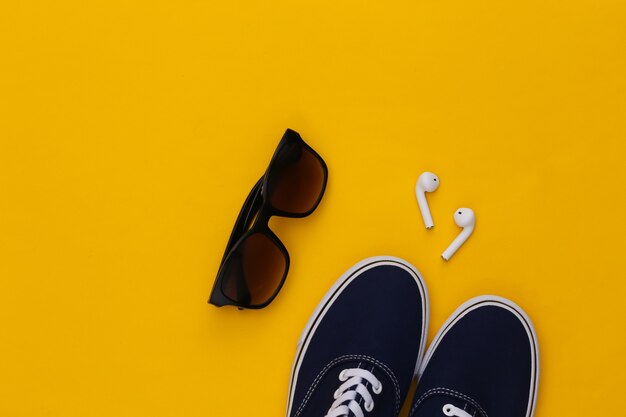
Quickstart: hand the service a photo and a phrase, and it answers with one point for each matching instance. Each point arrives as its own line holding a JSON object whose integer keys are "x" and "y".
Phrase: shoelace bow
{"x": 354, "y": 380}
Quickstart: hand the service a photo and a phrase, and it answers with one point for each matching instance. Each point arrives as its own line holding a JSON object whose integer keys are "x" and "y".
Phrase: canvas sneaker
{"x": 484, "y": 362}
{"x": 360, "y": 349}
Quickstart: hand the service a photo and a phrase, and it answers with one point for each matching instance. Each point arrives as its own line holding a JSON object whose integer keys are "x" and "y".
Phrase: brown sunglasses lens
{"x": 296, "y": 180}
{"x": 253, "y": 273}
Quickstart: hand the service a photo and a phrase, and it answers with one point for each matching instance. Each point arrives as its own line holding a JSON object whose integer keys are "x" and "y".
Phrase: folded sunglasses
{"x": 255, "y": 263}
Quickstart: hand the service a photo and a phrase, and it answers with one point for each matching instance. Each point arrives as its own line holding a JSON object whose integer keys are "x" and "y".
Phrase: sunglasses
{"x": 255, "y": 263}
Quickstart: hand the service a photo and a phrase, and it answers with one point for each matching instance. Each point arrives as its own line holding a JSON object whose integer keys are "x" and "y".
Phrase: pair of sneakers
{"x": 365, "y": 343}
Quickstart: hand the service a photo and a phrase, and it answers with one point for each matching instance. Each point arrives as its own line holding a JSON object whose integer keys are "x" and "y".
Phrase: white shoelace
{"x": 451, "y": 410}
{"x": 355, "y": 380}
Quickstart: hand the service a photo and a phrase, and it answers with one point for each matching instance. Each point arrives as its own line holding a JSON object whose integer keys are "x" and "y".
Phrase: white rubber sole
{"x": 494, "y": 300}
{"x": 332, "y": 295}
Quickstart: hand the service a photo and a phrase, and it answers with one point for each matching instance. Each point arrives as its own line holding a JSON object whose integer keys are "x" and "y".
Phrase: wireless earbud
{"x": 466, "y": 219}
{"x": 427, "y": 182}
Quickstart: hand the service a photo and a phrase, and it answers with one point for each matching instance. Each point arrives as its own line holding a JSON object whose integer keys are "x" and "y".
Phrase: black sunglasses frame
{"x": 254, "y": 217}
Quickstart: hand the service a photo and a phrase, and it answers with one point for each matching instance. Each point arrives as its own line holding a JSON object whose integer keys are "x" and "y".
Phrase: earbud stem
{"x": 421, "y": 202}
{"x": 456, "y": 243}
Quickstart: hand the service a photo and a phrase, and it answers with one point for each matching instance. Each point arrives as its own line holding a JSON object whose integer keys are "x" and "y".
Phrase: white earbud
{"x": 466, "y": 219}
{"x": 427, "y": 182}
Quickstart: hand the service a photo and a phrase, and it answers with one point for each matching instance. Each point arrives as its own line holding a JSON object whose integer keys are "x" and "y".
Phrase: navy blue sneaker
{"x": 483, "y": 362}
{"x": 362, "y": 346}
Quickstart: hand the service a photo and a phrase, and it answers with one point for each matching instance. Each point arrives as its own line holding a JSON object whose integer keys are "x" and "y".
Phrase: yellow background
{"x": 132, "y": 131}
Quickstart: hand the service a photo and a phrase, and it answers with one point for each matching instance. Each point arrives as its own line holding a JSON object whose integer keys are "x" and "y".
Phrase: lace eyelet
{"x": 342, "y": 375}
{"x": 378, "y": 389}
{"x": 369, "y": 406}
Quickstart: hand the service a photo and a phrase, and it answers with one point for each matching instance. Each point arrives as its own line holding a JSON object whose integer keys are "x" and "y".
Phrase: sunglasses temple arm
{"x": 250, "y": 207}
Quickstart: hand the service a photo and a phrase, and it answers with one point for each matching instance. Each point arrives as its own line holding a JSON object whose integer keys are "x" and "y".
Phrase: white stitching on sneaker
{"x": 345, "y": 358}
{"x": 453, "y": 393}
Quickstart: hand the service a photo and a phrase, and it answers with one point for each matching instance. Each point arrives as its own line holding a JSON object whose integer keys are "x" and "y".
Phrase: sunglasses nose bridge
{"x": 263, "y": 217}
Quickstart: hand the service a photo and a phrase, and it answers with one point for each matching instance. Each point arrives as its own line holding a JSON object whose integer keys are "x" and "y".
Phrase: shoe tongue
{"x": 433, "y": 404}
